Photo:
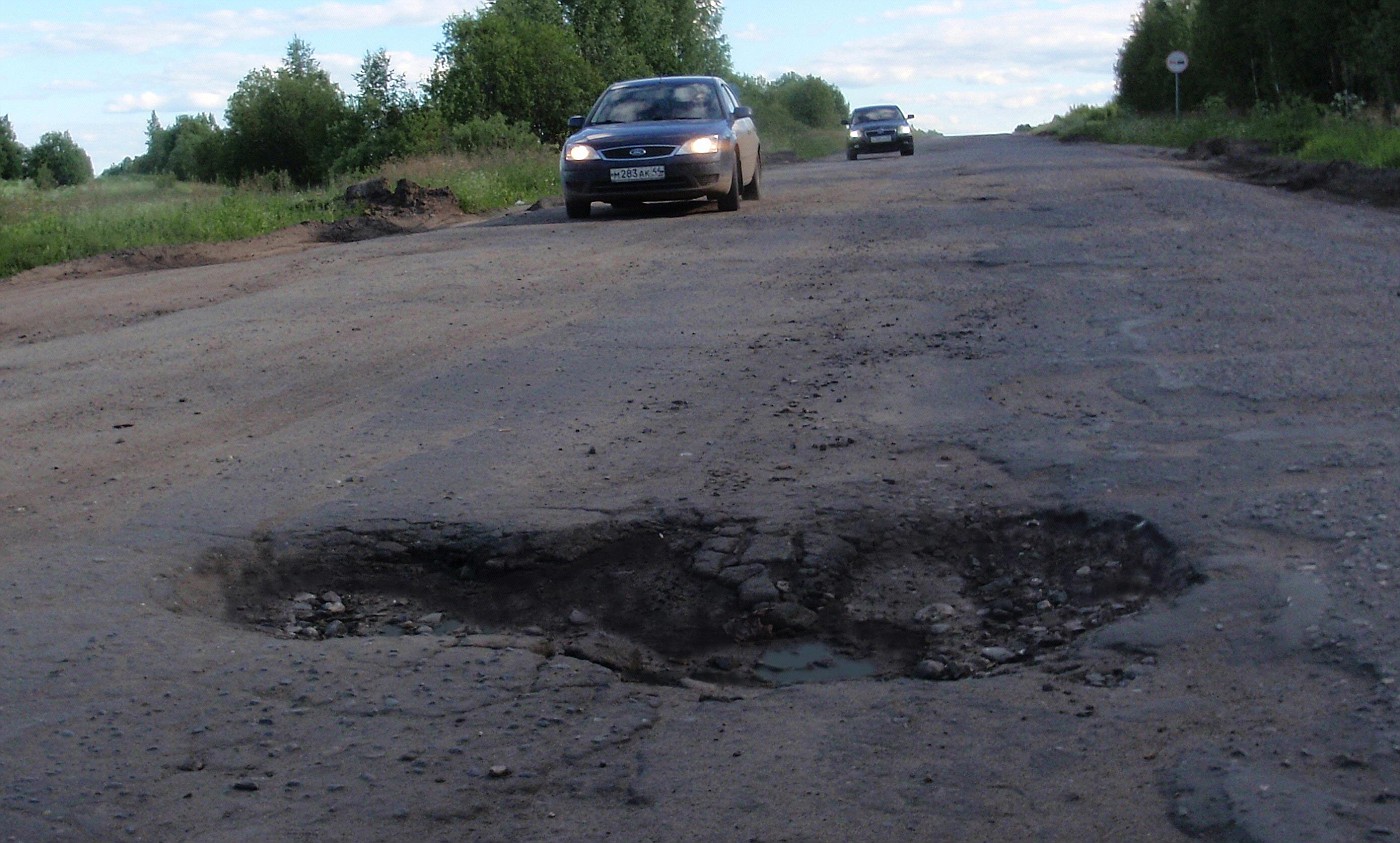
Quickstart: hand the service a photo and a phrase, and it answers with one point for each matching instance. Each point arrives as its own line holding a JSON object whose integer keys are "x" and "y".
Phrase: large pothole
{"x": 669, "y": 598}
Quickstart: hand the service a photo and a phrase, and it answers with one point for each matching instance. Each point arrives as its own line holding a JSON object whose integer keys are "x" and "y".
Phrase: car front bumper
{"x": 594, "y": 181}
{"x": 897, "y": 143}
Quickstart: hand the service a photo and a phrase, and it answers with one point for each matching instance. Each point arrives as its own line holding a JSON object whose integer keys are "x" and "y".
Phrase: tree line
{"x": 56, "y": 159}
{"x": 1247, "y": 52}
{"x": 506, "y": 76}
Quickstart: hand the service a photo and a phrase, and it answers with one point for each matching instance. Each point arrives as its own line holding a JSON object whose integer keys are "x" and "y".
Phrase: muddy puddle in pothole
{"x": 721, "y": 599}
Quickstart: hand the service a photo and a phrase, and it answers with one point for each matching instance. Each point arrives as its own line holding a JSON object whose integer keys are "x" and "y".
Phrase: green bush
{"x": 56, "y": 160}
{"x": 797, "y": 114}
{"x": 489, "y": 134}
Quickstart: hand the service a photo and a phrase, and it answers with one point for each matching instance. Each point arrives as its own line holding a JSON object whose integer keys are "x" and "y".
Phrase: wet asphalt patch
{"x": 731, "y": 601}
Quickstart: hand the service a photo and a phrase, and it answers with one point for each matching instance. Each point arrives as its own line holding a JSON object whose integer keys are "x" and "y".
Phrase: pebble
{"x": 930, "y": 669}
{"x": 1000, "y": 655}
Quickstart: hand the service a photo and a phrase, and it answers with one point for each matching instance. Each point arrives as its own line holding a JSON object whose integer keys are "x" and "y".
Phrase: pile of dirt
{"x": 1255, "y": 163}
{"x": 407, "y": 208}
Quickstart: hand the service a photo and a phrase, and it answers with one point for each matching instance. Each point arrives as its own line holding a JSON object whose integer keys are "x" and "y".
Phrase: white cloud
{"x": 415, "y": 68}
{"x": 1003, "y": 43}
{"x": 325, "y": 16}
{"x": 140, "y": 29}
{"x": 127, "y": 103}
{"x": 751, "y": 33}
{"x": 68, "y": 86}
{"x": 208, "y": 101}
{"x": 927, "y": 10}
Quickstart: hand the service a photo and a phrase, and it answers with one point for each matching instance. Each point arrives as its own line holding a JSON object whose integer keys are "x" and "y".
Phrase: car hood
{"x": 649, "y": 132}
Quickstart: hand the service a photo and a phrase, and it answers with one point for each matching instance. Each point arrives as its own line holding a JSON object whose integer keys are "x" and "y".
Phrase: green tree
{"x": 1144, "y": 83}
{"x": 194, "y": 154}
{"x": 12, "y": 152}
{"x": 57, "y": 158}
{"x": 696, "y": 33}
{"x": 811, "y": 100}
{"x": 535, "y": 62}
{"x": 380, "y": 125}
{"x": 516, "y": 58}
{"x": 284, "y": 120}
{"x": 188, "y": 149}
{"x": 624, "y": 39}
{"x": 159, "y": 142}
{"x": 1377, "y": 36}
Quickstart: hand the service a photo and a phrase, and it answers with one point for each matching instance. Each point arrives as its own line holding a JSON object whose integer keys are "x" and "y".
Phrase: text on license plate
{"x": 881, "y": 138}
{"x": 639, "y": 173}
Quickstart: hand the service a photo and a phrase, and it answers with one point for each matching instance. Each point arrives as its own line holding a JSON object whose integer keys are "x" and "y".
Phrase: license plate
{"x": 621, "y": 174}
{"x": 881, "y": 138}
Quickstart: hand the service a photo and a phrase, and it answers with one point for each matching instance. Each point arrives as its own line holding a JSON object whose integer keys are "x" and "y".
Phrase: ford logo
{"x": 637, "y": 151}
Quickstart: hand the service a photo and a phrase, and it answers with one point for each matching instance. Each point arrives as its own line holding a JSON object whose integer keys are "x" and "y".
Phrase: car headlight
{"x": 855, "y": 134}
{"x": 906, "y": 130}
{"x": 580, "y": 152}
{"x": 706, "y": 145}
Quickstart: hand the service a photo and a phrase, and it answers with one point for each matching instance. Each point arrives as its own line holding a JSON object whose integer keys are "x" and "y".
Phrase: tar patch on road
{"x": 671, "y": 598}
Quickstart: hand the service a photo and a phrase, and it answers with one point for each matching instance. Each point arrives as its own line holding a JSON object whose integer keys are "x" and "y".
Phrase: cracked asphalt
{"x": 995, "y": 326}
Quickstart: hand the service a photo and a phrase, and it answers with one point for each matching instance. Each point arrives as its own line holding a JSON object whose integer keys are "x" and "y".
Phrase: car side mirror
{"x": 908, "y": 117}
{"x": 741, "y": 112}
{"x": 846, "y": 123}
{"x": 576, "y": 122}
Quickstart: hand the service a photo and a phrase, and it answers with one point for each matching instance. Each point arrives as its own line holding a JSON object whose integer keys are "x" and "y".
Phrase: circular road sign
{"x": 1176, "y": 62}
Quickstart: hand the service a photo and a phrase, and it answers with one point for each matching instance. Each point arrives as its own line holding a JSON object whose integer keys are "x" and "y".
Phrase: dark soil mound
{"x": 1255, "y": 163}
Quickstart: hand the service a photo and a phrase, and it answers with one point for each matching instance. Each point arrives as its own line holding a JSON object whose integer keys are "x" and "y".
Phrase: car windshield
{"x": 662, "y": 101}
{"x": 879, "y": 112}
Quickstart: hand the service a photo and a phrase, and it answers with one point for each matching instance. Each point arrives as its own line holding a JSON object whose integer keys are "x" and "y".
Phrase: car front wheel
{"x": 730, "y": 200}
{"x": 754, "y": 189}
{"x": 850, "y": 155}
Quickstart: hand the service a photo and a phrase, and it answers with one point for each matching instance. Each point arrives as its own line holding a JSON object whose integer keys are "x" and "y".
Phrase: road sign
{"x": 1176, "y": 63}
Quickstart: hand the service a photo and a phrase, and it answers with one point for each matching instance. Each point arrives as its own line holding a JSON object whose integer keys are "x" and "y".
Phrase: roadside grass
{"x": 41, "y": 227}
{"x": 481, "y": 183}
{"x": 115, "y": 213}
{"x": 1300, "y": 129}
{"x": 1361, "y": 142}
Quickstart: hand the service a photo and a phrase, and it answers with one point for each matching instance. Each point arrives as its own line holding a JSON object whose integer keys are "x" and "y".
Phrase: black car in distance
{"x": 879, "y": 128}
{"x": 664, "y": 139}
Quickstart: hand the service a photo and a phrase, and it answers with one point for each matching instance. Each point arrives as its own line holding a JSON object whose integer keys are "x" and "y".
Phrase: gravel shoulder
{"x": 508, "y": 439}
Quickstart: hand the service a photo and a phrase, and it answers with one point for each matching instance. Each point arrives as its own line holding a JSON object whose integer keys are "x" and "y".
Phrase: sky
{"x": 98, "y": 69}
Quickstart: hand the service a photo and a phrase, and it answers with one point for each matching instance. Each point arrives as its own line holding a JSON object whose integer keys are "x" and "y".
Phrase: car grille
{"x": 630, "y": 153}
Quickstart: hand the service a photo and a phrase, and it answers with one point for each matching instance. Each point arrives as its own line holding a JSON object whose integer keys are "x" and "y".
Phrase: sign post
{"x": 1177, "y": 63}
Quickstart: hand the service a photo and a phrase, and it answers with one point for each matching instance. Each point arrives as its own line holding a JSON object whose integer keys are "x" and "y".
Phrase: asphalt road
{"x": 992, "y": 331}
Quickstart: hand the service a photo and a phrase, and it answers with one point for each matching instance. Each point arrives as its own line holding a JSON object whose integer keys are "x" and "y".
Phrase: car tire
{"x": 850, "y": 155}
{"x": 578, "y": 209}
{"x": 754, "y": 189}
{"x": 730, "y": 200}
{"x": 907, "y": 151}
